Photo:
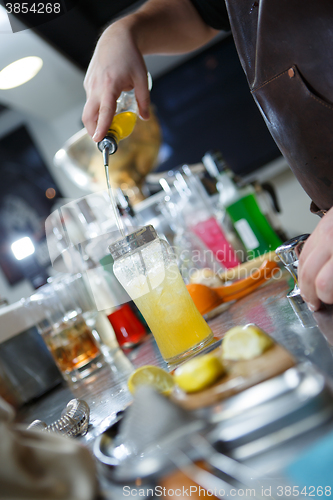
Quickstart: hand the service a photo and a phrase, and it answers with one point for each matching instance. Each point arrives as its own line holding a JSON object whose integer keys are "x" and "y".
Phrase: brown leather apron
{"x": 286, "y": 50}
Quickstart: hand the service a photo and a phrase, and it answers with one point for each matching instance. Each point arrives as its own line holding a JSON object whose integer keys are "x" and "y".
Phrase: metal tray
{"x": 273, "y": 412}
{"x": 248, "y": 424}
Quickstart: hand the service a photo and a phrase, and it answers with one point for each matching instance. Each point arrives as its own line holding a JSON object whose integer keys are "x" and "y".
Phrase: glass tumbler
{"x": 146, "y": 267}
{"x": 65, "y": 331}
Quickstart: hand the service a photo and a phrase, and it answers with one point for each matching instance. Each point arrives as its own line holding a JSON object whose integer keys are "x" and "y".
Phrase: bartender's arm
{"x": 159, "y": 26}
{"x": 316, "y": 265}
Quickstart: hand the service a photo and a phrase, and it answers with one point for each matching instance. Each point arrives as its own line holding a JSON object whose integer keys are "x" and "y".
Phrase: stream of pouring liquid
{"x": 117, "y": 218}
{"x": 115, "y": 210}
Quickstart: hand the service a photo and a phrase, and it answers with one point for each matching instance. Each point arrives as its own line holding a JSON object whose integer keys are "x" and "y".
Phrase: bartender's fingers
{"x": 90, "y": 115}
{"x": 142, "y": 94}
{"x": 308, "y": 246}
{"x": 309, "y": 268}
{"x": 324, "y": 283}
{"x": 105, "y": 115}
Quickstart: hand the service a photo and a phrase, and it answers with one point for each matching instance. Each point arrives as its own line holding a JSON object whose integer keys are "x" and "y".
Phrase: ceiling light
{"x": 19, "y": 72}
{"x": 22, "y": 248}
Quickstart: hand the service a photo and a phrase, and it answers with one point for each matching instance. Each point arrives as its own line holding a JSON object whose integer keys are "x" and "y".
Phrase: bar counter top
{"x": 308, "y": 337}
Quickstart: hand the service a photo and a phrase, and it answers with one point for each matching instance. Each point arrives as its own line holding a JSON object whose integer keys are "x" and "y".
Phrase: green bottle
{"x": 251, "y": 225}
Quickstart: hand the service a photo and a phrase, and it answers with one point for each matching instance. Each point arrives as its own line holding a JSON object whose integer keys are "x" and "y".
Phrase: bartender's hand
{"x": 116, "y": 65}
{"x": 315, "y": 273}
{"x": 157, "y": 27}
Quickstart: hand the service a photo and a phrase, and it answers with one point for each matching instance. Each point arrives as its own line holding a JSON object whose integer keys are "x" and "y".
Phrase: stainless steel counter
{"x": 106, "y": 393}
{"x": 268, "y": 307}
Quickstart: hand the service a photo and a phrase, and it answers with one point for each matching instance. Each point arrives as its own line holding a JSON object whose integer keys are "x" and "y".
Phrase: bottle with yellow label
{"x": 123, "y": 122}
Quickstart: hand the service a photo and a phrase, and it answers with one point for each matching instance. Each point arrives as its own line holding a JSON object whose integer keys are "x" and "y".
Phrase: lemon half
{"x": 151, "y": 375}
{"x": 199, "y": 372}
{"x": 245, "y": 342}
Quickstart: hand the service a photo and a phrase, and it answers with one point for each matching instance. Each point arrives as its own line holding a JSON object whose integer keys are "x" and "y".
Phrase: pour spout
{"x": 106, "y": 156}
{"x": 108, "y": 146}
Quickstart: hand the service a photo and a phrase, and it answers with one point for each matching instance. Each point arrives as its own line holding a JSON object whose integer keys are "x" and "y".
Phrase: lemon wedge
{"x": 151, "y": 375}
{"x": 199, "y": 372}
{"x": 245, "y": 342}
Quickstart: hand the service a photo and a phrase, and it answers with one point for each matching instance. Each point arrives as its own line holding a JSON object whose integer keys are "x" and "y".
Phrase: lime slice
{"x": 199, "y": 372}
{"x": 245, "y": 342}
{"x": 151, "y": 375}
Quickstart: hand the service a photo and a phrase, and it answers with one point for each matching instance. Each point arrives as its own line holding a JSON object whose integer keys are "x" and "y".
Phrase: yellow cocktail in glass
{"x": 152, "y": 279}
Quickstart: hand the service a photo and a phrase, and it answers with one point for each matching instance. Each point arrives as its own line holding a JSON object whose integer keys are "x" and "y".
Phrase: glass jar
{"x": 146, "y": 267}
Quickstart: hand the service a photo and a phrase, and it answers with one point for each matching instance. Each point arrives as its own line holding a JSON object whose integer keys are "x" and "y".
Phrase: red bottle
{"x": 128, "y": 328}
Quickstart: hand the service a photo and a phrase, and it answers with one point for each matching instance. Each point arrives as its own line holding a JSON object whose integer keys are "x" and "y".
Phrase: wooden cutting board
{"x": 240, "y": 375}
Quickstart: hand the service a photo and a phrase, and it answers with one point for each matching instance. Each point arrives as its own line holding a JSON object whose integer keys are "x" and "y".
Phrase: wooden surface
{"x": 240, "y": 375}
